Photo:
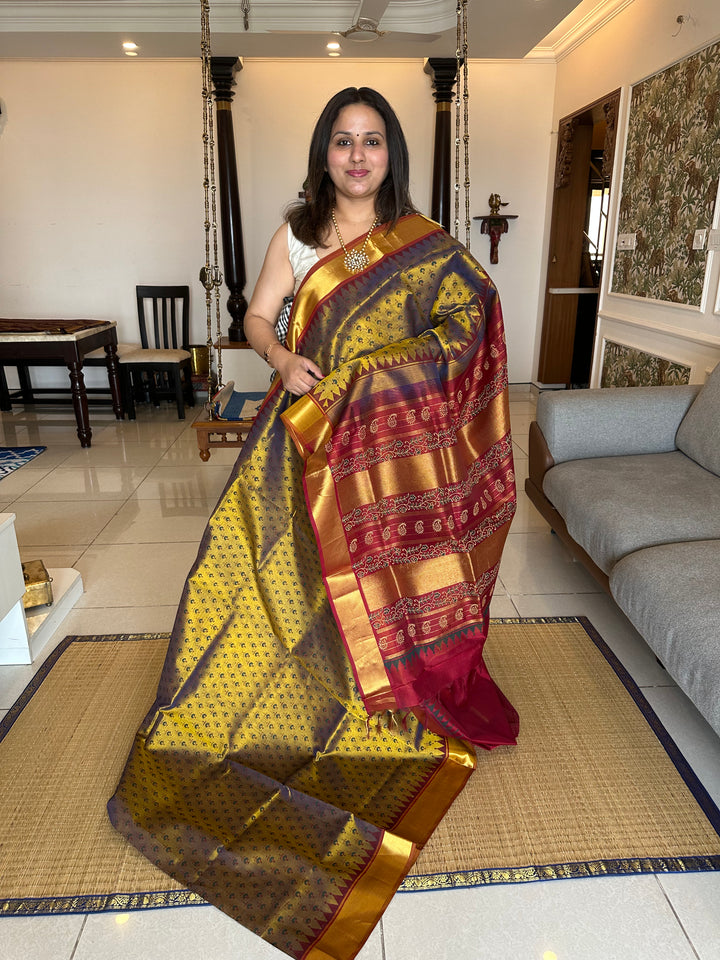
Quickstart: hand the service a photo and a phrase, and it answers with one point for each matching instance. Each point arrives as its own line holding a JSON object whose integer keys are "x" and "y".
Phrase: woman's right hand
{"x": 276, "y": 281}
{"x": 298, "y": 374}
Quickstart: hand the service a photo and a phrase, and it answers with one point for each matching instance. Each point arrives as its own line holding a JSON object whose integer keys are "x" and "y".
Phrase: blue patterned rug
{"x": 11, "y": 458}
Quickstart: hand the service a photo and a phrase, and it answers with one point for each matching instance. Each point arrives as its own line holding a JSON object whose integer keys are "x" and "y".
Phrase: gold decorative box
{"x": 38, "y": 584}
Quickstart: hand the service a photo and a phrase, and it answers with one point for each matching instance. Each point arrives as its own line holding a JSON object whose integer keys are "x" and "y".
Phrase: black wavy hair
{"x": 309, "y": 220}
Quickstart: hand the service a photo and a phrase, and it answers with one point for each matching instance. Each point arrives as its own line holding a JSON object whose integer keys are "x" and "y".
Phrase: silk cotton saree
{"x": 325, "y": 669}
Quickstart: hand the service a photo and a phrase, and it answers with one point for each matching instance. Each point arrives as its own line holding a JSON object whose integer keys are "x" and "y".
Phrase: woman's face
{"x": 357, "y": 157}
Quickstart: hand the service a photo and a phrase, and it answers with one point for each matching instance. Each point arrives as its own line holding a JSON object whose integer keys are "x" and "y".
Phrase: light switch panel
{"x": 626, "y": 241}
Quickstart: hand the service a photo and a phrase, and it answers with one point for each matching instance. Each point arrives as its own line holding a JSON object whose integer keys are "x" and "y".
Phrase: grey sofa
{"x": 630, "y": 480}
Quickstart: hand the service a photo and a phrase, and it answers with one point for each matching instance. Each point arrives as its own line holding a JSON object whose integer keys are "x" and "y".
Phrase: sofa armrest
{"x": 539, "y": 459}
{"x": 611, "y": 422}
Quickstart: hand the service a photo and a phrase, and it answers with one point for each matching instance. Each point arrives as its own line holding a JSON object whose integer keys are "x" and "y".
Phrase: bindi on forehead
{"x": 359, "y": 133}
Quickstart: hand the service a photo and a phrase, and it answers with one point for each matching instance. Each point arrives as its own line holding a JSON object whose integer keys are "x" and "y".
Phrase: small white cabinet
{"x": 14, "y": 634}
{"x": 23, "y": 636}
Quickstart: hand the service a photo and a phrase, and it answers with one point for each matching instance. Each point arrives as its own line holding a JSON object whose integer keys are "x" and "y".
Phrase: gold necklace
{"x": 355, "y": 260}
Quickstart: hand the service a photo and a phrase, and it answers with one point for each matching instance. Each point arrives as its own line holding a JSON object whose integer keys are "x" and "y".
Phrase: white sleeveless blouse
{"x": 302, "y": 257}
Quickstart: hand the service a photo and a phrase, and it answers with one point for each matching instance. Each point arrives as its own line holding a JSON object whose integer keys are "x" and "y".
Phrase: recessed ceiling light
{"x": 130, "y": 45}
{"x": 333, "y": 53}
{"x": 131, "y": 53}
{"x": 333, "y": 45}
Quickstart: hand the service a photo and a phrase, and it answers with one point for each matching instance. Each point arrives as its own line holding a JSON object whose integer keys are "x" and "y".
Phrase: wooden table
{"x": 24, "y": 342}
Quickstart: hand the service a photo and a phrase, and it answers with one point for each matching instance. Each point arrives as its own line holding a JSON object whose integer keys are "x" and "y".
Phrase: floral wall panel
{"x": 670, "y": 180}
{"x": 625, "y": 366}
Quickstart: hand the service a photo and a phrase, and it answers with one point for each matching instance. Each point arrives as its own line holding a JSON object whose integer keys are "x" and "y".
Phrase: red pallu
{"x": 410, "y": 486}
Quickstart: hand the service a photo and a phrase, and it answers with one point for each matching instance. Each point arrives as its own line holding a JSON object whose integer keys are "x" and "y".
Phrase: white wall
{"x": 100, "y": 187}
{"x": 512, "y": 150}
{"x": 101, "y": 184}
{"x": 641, "y": 40}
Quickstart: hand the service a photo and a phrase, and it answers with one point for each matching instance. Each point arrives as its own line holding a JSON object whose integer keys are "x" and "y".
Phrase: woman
{"x": 351, "y": 178}
{"x": 328, "y": 647}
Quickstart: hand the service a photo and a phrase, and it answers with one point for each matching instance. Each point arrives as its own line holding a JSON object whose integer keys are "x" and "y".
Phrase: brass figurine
{"x": 495, "y": 203}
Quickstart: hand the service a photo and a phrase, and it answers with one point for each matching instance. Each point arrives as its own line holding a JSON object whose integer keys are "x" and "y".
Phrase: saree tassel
{"x": 387, "y": 719}
{"x": 374, "y": 723}
{"x": 399, "y": 719}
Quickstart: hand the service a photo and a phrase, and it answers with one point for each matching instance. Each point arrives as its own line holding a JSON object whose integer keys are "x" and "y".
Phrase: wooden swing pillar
{"x": 222, "y": 72}
{"x": 443, "y": 71}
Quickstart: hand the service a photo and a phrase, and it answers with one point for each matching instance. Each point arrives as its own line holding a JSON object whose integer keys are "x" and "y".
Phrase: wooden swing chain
{"x": 210, "y": 275}
{"x": 461, "y": 55}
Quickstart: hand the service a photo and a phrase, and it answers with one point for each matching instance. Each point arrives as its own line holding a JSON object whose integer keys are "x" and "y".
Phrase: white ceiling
{"x": 498, "y": 29}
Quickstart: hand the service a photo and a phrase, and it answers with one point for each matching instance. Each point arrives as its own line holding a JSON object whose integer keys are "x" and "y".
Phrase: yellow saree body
{"x": 256, "y": 778}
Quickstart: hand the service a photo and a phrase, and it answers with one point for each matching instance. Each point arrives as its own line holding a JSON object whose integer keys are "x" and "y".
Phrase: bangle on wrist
{"x": 268, "y": 348}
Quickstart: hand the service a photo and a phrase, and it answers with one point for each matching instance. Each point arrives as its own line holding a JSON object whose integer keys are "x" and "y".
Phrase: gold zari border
{"x": 366, "y": 901}
{"x": 421, "y": 818}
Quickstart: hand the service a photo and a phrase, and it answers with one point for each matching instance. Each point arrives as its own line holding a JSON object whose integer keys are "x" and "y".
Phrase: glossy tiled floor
{"x": 128, "y": 513}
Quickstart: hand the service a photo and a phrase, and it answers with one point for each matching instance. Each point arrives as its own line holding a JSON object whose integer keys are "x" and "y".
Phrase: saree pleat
{"x": 265, "y": 777}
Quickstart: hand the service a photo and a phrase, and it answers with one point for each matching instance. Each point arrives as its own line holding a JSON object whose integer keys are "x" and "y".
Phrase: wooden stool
{"x": 220, "y": 434}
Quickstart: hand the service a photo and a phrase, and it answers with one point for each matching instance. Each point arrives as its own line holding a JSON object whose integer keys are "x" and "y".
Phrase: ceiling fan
{"x": 365, "y": 27}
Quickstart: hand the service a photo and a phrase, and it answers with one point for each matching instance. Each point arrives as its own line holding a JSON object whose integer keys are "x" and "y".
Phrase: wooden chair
{"x": 161, "y": 367}
{"x": 98, "y": 358}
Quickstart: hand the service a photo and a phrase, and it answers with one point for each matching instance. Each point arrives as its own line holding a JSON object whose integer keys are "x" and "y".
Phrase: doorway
{"x": 578, "y": 229}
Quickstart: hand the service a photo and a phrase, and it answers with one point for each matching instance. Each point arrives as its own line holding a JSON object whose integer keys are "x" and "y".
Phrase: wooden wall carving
{"x": 566, "y": 139}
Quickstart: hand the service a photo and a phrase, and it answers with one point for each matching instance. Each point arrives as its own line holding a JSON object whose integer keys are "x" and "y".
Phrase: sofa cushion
{"x": 613, "y": 422}
{"x": 699, "y": 433}
{"x": 615, "y": 505}
{"x": 671, "y": 594}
